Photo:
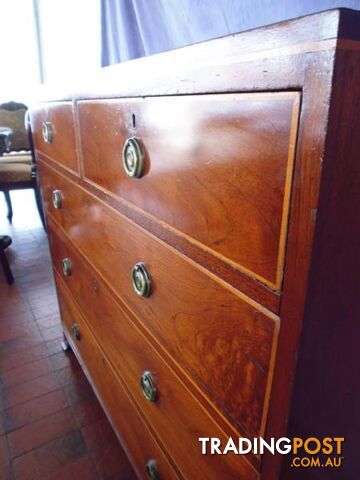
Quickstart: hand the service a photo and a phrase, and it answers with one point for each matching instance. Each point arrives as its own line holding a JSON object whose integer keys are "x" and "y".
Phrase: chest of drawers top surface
{"x": 189, "y": 194}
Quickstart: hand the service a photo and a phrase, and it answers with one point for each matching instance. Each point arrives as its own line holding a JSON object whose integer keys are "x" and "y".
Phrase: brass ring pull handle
{"x": 66, "y": 267}
{"x": 76, "y": 331}
{"x": 47, "y": 132}
{"x": 133, "y": 158}
{"x": 151, "y": 470}
{"x": 148, "y": 386}
{"x": 57, "y": 199}
{"x": 141, "y": 280}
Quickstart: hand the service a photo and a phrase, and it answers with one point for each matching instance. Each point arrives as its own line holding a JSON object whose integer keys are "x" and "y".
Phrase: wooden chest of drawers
{"x": 201, "y": 211}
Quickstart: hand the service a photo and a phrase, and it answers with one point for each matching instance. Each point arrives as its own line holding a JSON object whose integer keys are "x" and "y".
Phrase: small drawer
{"x": 169, "y": 407}
{"x": 137, "y": 440}
{"x": 222, "y": 339}
{"x": 54, "y": 133}
{"x": 217, "y": 168}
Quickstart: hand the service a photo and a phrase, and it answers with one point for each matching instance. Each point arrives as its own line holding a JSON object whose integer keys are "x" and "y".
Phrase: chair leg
{"x": 6, "y": 268}
{"x": 9, "y": 205}
{"x": 39, "y": 206}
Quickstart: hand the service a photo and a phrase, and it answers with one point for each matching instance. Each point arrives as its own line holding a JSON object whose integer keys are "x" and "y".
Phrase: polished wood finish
{"x": 310, "y": 298}
{"x": 134, "y": 434}
{"x": 329, "y": 355}
{"x": 250, "y": 286}
{"x": 212, "y": 169}
{"x": 62, "y": 148}
{"x": 175, "y": 416}
{"x": 220, "y": 338}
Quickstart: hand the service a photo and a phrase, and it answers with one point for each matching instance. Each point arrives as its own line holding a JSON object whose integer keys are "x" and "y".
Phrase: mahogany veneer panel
{"x": 224, "y": 341}
{"x": 217, "y": 168}
{"x": 175, "y": 411}
{"x": 135, "y": 436}
{"x": 63, "y": 148}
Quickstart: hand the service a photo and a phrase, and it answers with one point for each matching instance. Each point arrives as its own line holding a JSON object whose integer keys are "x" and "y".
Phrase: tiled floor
{"x": 51, "y": 425}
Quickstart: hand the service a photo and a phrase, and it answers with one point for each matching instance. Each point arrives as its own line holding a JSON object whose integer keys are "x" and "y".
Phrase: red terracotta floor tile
{"x": 45, "y": 310}
{"x": 26, "y": 413}
{"x": 28, "y": 283}
{"x": 62, "y": 360}
{"x": 98, "y": 433}
{"x": 54, "y": 346}
{"x": 14, "y": 328}
{"x": 11, "y": 292}
{"x": 21, "y": 316}
{"x": 39, "y": 292}
{"x": 13, "y": 357}
{"x": 4, "y": 454}
{"x": 69, "y": 375}
{"x": 111, "y": 462}
{"x": 13, "y": 306}
{"x": 6, "y": 472}
{"x": 41, "y": 286}
{"x": 29, "y": 390}
{"x": 25, "y": 373}
{"x": 48, "y": 459}
{"x": 77, "y": 391}
{"x": 52, "y": 333}
{"x": 125, "y": 475}
{"x": 49, "y": 321}
{"x": 43, "y": 300}
{"x": 88, "y": 411}
{"x": 40, "y": 432}
{"x": 29, "y": 339}
{"x": 83, "y": 469}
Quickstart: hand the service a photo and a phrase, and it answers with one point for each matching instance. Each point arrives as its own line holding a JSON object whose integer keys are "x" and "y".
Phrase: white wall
{"x": 70, "y": 35}
{"x": 19, "y": 72}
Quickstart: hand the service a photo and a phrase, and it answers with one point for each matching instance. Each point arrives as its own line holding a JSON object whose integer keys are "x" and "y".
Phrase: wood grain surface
{"x": 218, "y": 168}
{"x": 214, "y": 333}
{"x": 133, "y": 433}
{"x": 63, "y": 148}
{"x": 176, "y": 417}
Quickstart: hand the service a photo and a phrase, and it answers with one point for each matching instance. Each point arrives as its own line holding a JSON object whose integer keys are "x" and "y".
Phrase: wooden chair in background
{"x": 18, "y": 165}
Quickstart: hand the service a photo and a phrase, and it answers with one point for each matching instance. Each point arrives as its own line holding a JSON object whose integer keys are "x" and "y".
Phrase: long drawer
{"x": 222, "y": 340}
{"x": 53, "y": 127}
{"x": 217, "y": 168}
{"x": 133, "y": 433}
{"x": 176, "y": 416}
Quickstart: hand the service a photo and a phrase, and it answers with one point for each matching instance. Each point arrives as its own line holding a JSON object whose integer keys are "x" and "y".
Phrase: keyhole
{"x": 133, "y": 120}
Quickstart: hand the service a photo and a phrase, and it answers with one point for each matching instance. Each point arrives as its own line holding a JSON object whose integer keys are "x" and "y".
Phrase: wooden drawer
{"x": 224, "y": 341}
{"x": 176, "y": 416}
{"x": 59, "y": 118}
{"x": 132, "y": 431}
{"x": 217, "y": 168}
